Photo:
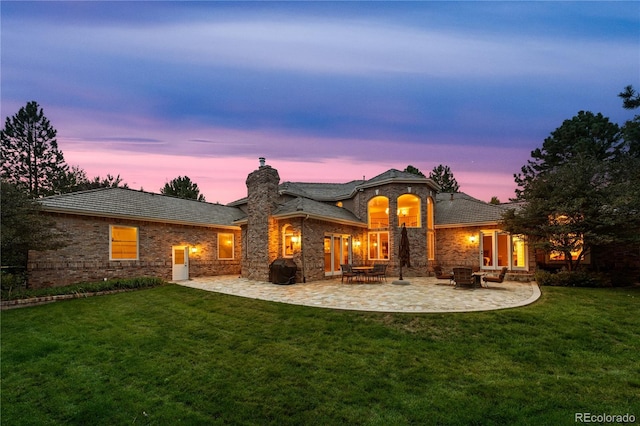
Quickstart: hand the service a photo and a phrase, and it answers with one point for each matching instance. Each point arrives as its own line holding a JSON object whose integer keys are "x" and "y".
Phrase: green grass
{"x": 172, "y": 355}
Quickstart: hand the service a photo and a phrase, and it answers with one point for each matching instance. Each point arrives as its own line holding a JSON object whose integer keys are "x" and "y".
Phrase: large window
{"x": 225, "y": 246}
{"x": 378, "y": 246}
{"x": 431, "y": 232}
{"x": 409, "y": 211}
{"x": 378, "y": 209}
{"x": 337, "y": 251}
{"x": 500, "y": 249}
{"x": 123, "y": 244}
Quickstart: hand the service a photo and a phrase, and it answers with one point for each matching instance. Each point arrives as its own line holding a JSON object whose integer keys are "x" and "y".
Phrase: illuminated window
{"x": 123, "y": 243}
{"x": 288, "y": 240}
{"x": 500, "y": 249}
{"x": 518, "y": 252}
{"x": 225, "y": 246}
{"x": 378, "y": 209}
{"x": 409, "y": 211}
{"x": 431, "y": 232}
{"x": 378, "y": 246}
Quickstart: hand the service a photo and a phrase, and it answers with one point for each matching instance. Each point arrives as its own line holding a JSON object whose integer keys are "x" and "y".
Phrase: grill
{"x": 283, "y": 271}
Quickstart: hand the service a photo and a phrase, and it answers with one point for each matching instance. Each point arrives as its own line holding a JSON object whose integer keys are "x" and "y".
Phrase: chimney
{"x": 262, "y": 161}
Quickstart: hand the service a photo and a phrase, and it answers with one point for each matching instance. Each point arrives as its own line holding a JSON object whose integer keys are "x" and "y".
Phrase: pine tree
{"x": 443, "y": 176}
{"x": 31, "y": 159}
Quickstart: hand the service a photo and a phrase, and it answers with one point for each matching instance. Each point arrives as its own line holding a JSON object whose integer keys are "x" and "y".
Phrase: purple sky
{"x": 327, "y": 92}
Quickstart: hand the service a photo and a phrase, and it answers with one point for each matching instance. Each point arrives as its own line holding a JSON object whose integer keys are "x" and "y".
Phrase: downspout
{"x": 304, "y": 269}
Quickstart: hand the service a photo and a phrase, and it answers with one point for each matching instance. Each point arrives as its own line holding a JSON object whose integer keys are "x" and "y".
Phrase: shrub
{"x": 572, "y": 279}
{"x": 93, "y": 287}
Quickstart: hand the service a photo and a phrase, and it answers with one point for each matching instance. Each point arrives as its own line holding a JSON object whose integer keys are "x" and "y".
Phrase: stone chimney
{"x": 262, "y": 233}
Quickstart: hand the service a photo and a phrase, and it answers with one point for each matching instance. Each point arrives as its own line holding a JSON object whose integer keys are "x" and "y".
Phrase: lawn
{"x": 173, "y": 355}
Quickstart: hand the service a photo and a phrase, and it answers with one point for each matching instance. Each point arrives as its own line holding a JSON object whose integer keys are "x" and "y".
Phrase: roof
{"x": 342, "y": 191}
{"x": 131, "y": 204}
{"x": 317, "y": 210}
{"x": 321, "y": 191}
{"x": 460, "y": 209}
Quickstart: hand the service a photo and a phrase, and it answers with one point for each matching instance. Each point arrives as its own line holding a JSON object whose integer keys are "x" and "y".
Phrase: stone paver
{"x": 423, "y": 295}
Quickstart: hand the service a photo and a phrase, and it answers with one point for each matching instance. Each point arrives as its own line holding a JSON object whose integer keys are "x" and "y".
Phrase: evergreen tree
{"x": 443, "y": 176}
{"x": 22, "y": 228}
{"x": 182, "y": 187}
{"x": 414, "y": 170}
{"x": 31, "y": 159}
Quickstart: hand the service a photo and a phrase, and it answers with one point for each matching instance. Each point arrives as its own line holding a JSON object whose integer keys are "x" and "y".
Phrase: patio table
{"x": 477, "y": 276}
{"x": 361, "y": 272}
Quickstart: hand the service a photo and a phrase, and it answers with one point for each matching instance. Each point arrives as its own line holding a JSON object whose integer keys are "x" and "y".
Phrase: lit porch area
{"x": 424, "y": 295}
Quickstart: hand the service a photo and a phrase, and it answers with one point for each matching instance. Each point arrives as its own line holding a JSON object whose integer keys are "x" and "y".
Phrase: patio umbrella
{"x": 404, "y": 253}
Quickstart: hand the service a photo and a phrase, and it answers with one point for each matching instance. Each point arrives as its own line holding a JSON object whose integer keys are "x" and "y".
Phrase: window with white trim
{"x": 378, "y": 212}
{"x": 409, "y": 211}
{"x": 123, "y": 242}
{"x": 378, "y": 245}
{"x": 225, "y": 246}
{"x": 499, "y": 249}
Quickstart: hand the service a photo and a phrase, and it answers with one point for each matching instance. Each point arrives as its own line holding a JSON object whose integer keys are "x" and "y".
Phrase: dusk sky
{"x": 326, "y": 91}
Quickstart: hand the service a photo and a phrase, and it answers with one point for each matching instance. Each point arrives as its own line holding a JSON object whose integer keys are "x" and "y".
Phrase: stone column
{"x": 262, "y": 196}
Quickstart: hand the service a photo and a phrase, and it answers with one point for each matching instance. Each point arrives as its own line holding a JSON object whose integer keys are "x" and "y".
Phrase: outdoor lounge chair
{"x": 495, "y": 279}
{"x": 464, "y": 277}
{"x": 347, "y": 273}
{"x": 443, "y": 275}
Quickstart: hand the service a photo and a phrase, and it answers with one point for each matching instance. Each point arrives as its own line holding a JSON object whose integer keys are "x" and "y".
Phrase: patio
{"x": 423, "y": 295}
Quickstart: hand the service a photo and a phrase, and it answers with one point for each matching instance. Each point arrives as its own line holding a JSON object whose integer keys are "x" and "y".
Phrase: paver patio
{"x": 423, "y": 295}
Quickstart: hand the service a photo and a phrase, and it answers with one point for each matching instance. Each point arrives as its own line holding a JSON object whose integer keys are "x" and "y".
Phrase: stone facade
{"x": 86, "y": 258}
{"x": 261, "y": 246}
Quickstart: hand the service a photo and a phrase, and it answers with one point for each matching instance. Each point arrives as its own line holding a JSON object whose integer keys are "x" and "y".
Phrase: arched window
{"x": 409, "y": 211}
{"x": 431, "y": 232}
{"x": 378, "y": 211}
{"x": 288, "y": 241}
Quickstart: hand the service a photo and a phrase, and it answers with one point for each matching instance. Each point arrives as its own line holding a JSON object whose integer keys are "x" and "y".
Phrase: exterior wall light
{"x": 194, "y": 249}
{"x": 472, "y": 239}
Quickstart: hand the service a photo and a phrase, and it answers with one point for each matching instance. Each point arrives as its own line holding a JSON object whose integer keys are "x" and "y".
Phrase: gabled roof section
{"x": 459, "y": 209}
{"x": 138, "y": 205}
{"x": 306, "y": 207}
{"x": 320, "y": 191}
{"x": 396, "y": 176}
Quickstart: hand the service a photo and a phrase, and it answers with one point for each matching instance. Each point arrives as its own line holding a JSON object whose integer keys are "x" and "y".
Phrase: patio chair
{"x": 441, "y": 275}
{"x": 464, "y": 277}
{"x": 495, "y": 279}
{"x": 347, "y": 273}
{"x": 378, "y": 273}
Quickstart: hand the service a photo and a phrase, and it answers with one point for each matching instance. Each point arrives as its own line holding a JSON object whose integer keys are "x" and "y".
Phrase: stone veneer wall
{"x": 261, "y": 246}
{"x": 86, "y": 258}
{"x": 420, "y": 264}
{"x": 453, "y": 248}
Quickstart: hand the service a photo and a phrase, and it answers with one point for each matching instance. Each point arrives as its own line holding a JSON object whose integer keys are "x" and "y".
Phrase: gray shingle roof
{"x": 321, "y": 191}
{"x": 132, "y": 204}
{"x": 460, "y": 209}
{"x": 318, "y": 210}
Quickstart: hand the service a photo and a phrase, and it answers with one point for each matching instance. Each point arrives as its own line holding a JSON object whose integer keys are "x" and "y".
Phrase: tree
{"x": 76, "y": 180}
{"x": 443, "y": 176}
{"x": 414, "y": 170}
{"x": 182, "y": 187}
{"x": 494, "y": 200}
{"x": 630, "y": 98}
{"x": 23, "y": 228}
{"x": 572, "y": 192}
{"x": 30, "y": 156}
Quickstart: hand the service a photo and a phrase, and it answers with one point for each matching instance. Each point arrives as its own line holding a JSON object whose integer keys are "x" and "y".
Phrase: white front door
{"x": 180, "y": 263}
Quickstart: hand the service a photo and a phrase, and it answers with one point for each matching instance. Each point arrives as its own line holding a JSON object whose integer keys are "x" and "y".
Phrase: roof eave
{"x": 467, "y": 224}
{"x": 138, "y": 218}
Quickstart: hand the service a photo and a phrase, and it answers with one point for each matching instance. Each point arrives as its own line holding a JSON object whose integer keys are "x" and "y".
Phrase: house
{"x": 116, "y": 232}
